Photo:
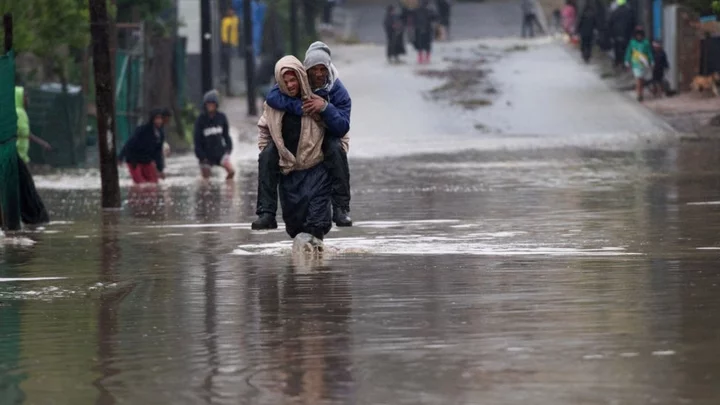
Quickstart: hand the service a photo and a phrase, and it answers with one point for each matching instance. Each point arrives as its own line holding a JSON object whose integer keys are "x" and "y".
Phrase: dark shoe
{"x": 341, "y": 217}
{"x": 265, "y": 221}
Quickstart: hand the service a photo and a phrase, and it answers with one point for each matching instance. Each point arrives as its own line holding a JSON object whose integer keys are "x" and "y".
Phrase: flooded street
{"x": 567, "y": 255}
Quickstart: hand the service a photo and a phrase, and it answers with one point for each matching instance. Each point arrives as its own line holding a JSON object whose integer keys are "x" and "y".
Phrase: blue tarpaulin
{"x": 258, "y": 18}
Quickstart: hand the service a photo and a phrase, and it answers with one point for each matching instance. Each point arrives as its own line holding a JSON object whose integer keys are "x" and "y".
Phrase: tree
{"x": 50, "y": 30}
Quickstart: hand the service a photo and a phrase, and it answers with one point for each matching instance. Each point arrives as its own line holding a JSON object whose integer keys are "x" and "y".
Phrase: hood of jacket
{"x": 292, "y": 64}
{"x": 318, "y": 53}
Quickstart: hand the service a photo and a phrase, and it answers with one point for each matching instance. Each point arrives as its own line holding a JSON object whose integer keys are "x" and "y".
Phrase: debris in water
{"x": 473, "y": 104}
{"x": 663, "y": 353}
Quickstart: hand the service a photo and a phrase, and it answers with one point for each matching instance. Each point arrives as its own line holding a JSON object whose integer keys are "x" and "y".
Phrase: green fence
{"x": 128, "y": 88}
{"x": 9, "y": 182}
{"x": 57, "y": 117}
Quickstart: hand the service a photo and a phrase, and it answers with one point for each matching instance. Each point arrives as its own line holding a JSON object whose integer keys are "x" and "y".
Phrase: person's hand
{"x": 313, "y": 105}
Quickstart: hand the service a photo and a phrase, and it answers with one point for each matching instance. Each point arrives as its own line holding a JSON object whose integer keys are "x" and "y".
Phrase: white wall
{"x": 189, "y": 15}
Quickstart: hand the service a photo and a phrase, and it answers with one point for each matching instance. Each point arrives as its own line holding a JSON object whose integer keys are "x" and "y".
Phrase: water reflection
{"x": 306, "y": 318}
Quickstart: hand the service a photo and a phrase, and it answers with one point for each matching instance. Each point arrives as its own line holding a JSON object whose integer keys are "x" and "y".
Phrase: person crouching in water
{"x": 213, "y": 144}
{"x": 143, "y": 152}
{"x": 305, "y": 185}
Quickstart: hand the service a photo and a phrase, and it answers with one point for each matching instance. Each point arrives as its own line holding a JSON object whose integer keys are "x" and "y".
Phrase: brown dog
{"x": 703, "y": 83}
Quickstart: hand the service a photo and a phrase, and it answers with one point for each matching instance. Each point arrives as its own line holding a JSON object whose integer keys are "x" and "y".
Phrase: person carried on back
{"x": 330, "y": 103}
{"x": 213, "y": 144}
{"x": 305, "y": 185}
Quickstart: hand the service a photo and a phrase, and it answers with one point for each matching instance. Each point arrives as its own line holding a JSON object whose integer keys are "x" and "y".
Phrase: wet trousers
{"x": 336, "y": 163}
{"x": 143, "y": 172}
{"x": 530, "y": 21}
{"x": 305, "y": 201}
{"x": 586, "y": 45}
{"x": 620, "y": 45}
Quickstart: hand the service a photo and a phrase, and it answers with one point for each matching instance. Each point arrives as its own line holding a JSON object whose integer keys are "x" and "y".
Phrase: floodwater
{"x": 569, "y": 276}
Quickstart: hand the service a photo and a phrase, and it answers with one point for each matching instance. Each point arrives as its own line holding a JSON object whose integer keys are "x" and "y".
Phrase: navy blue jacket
{"x": 145, "y": 146}
{"x": 336, "y": 116}
{"x": 212, "y": 138}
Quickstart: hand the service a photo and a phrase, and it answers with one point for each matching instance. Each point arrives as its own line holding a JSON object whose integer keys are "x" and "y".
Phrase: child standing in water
{"x": 639, "y": 57}
{"x": 213, "y": 144}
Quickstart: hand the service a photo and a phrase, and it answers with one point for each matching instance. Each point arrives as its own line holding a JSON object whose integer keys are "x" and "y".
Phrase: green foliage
{"x": 702, "y": 7}
{"x": 49, "y": 28}
{"x": 282, "y": 19}
{"x": 716, "y": 7}
{"x": 144, "y": 9}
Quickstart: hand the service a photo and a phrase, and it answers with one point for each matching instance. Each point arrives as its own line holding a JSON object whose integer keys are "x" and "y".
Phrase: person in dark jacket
{"x": 424, "y": 19}
{"x": 333, "y": 106}
{"x": 394, "y": 30}
{"x": 586, "y": 28}
{"x": 213, "y": 144}
{"x": 621, "y": 27}
{"x": 143, "y": 152}
{"x": 443, "y": 9}
{"x": 661, "y": 65}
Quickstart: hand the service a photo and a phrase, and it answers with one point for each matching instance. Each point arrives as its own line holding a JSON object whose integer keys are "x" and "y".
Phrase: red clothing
{"x": 143, "y": 172}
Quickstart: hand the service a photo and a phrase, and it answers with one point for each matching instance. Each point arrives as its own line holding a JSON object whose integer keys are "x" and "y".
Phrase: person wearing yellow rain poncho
{"x": 23, "y": 127}
{"x": 32, "y": 209}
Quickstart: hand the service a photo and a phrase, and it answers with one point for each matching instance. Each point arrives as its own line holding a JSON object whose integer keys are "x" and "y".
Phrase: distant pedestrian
{"x": 394, "y": 29}
{"x": 424, "y": 19}
{"x": 659, "y": 68}
{"x": 621, "y": 26}
{"x": 229, "y": 37}
{"x": 213, "y": 144}
{"x": 639, "y": 57}
{"x": 328, "y": 12}
{"x": 586, "y": 30}
{"x": 143, "y": 152}
{"x": 569, "y": 17}
{"x": 530, "y": 20}
{"x": 443, "y": 9}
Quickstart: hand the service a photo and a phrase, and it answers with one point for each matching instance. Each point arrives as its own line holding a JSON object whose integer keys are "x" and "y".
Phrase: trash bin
{"x": 57, "y": 117}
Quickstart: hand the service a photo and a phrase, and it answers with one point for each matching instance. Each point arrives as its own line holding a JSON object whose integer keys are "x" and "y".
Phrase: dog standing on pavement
{"x": 701, "y": 84}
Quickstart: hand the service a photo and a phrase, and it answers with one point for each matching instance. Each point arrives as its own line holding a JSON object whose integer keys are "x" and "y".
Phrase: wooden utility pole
{"x": 249, "y": 57}
{"x": 293, "y": 27}
{"x": 206, "y": 47}
{"x": 105, "y": 100}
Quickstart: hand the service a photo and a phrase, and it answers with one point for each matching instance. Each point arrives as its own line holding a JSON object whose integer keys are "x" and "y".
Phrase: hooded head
{"x": 639, "y": 33}
{"x": 318, "y": 64}
{"x": 157, "y": 117}
{"x": 211, "y": 101}
{"x": 284, "y": 70}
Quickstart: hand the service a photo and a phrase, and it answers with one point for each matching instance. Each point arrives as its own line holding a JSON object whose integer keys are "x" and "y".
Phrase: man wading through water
{"x": 305, "y": 185}
{"x": 330, "y": 102}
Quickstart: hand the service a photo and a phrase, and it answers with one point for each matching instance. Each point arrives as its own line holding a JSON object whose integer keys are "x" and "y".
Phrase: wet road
{"x": 572, "y": 264}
